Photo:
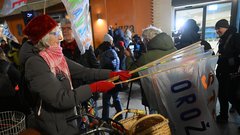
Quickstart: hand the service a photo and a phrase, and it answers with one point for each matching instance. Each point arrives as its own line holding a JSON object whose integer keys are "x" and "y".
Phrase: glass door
{"x": 214, "y": 13}
{"x": 206, "y": 17}
{"x": 183, "y": 15}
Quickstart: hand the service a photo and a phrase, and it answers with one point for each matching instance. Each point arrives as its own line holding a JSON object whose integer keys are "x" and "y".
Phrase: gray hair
{"x": 43, "y": 43}
{"x": 150, "y": 32}
{"x": 65, "y": 21}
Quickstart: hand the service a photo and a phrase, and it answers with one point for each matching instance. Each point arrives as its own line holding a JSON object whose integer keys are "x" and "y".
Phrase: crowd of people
{"x": 63, "y": 79}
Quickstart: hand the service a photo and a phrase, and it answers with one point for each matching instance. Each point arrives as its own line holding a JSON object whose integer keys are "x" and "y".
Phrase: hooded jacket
{"x": 58, "y": 100}
{"x": 108, "y": 57}
{"x": 157, "y": 47}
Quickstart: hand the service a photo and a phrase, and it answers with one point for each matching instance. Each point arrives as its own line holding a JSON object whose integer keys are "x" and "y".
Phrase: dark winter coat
{"x": 88, "y": 59}
{"x": 190, "y": 35}
{"x": 229, "y": 59}
{"x": 13, "y": 74}
{"x": 58, "y": 100}
{"x": 10, "y": 77}
{"x": 108, "y": 57}
{"x": 117, "y": 38}
{"x": 157, "y": 47}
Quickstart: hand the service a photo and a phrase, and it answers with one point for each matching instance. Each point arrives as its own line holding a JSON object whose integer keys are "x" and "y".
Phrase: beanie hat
{"x": 38, "y": 27}
{"x": 108, "y": 38}
{"x": 223, "y": 23}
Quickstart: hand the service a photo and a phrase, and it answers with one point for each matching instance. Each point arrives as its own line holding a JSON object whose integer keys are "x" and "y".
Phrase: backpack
{"x": 6, "y": 87}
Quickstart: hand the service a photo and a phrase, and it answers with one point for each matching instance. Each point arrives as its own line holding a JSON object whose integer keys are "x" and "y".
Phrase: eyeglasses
{"x": 66, "y": 28}
{"x": 55, "y": 33}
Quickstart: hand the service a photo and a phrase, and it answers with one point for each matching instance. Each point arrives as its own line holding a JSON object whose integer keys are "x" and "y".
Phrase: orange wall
{"x": 135, "y": 14}
{"x": 99, "y": 26}
{"x": 14, "y": 23}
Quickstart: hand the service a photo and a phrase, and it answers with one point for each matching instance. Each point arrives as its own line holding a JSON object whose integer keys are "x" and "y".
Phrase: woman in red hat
{"x": 49, "y": 74}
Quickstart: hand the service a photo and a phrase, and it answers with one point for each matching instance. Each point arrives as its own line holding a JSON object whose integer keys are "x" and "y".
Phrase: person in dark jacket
{"x": 158, "y": 44}
{"x": 49, "y": 74}
{"x": 71, "y": 51}
{"x": 88, "y": 59}
{"x": 109, "y": 60}
{"x": 5, "y": 46}
{"x": 190, "y": 35}
{"x": 228, "y": 62}
{"x": 120, "y": 43}
{"x": 137, "y": 47}
{"x": 110, "y": 30}
{"x": 13, "y": 54}
{"x": 9, "y": 99}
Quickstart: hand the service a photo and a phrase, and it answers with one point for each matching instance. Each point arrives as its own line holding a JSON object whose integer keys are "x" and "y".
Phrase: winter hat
{"x": 108, "y": 38}
{"x": 223, "y": 23}
{"x": 38, "y": 27}
{"x": 121, "y": 43}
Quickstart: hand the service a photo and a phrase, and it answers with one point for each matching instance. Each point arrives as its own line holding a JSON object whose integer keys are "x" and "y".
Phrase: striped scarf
{"x": 56, "y": 61}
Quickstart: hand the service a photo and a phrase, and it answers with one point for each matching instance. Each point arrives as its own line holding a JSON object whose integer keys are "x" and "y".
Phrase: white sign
{"x": 10, "y": 5}
{"x": 6, "y": 32}
{"x": 187, "y": 90}
{"x": 78, "y": 10}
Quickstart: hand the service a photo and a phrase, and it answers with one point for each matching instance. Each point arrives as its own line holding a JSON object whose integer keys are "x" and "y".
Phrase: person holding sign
{"x": 49, "y": 75}
{"x": 158, "y": 44}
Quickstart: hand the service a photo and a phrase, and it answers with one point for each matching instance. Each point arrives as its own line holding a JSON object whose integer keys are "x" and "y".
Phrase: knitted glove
{"x": 123, "y": 75}
{"x": 101, "y": 86}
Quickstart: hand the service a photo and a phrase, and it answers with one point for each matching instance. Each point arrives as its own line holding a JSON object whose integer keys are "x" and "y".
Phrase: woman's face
{"x": 54, "y": 37}
{"x": 67, "y": 32}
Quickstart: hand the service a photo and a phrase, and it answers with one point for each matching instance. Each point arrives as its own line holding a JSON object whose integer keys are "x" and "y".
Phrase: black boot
{"x": 232, "y": 109}
{"x": 221, "y": 119}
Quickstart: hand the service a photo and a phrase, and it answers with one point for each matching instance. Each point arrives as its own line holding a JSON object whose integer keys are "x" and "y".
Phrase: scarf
{"x": 70, "y": 46}
{"x": 56, "y": 61}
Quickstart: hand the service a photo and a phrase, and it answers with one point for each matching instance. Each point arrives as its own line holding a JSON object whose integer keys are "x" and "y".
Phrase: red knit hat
{"x": 38, "y": 27}
{"x": 121, "y": 43}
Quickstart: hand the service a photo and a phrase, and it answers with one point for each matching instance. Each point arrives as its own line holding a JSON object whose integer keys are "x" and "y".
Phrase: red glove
{"x": 123, "y": 75}
{"x": 101, "y": 86}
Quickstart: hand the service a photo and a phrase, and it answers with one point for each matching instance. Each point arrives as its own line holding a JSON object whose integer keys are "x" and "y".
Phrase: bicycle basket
{"x": 12, "y": 123}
